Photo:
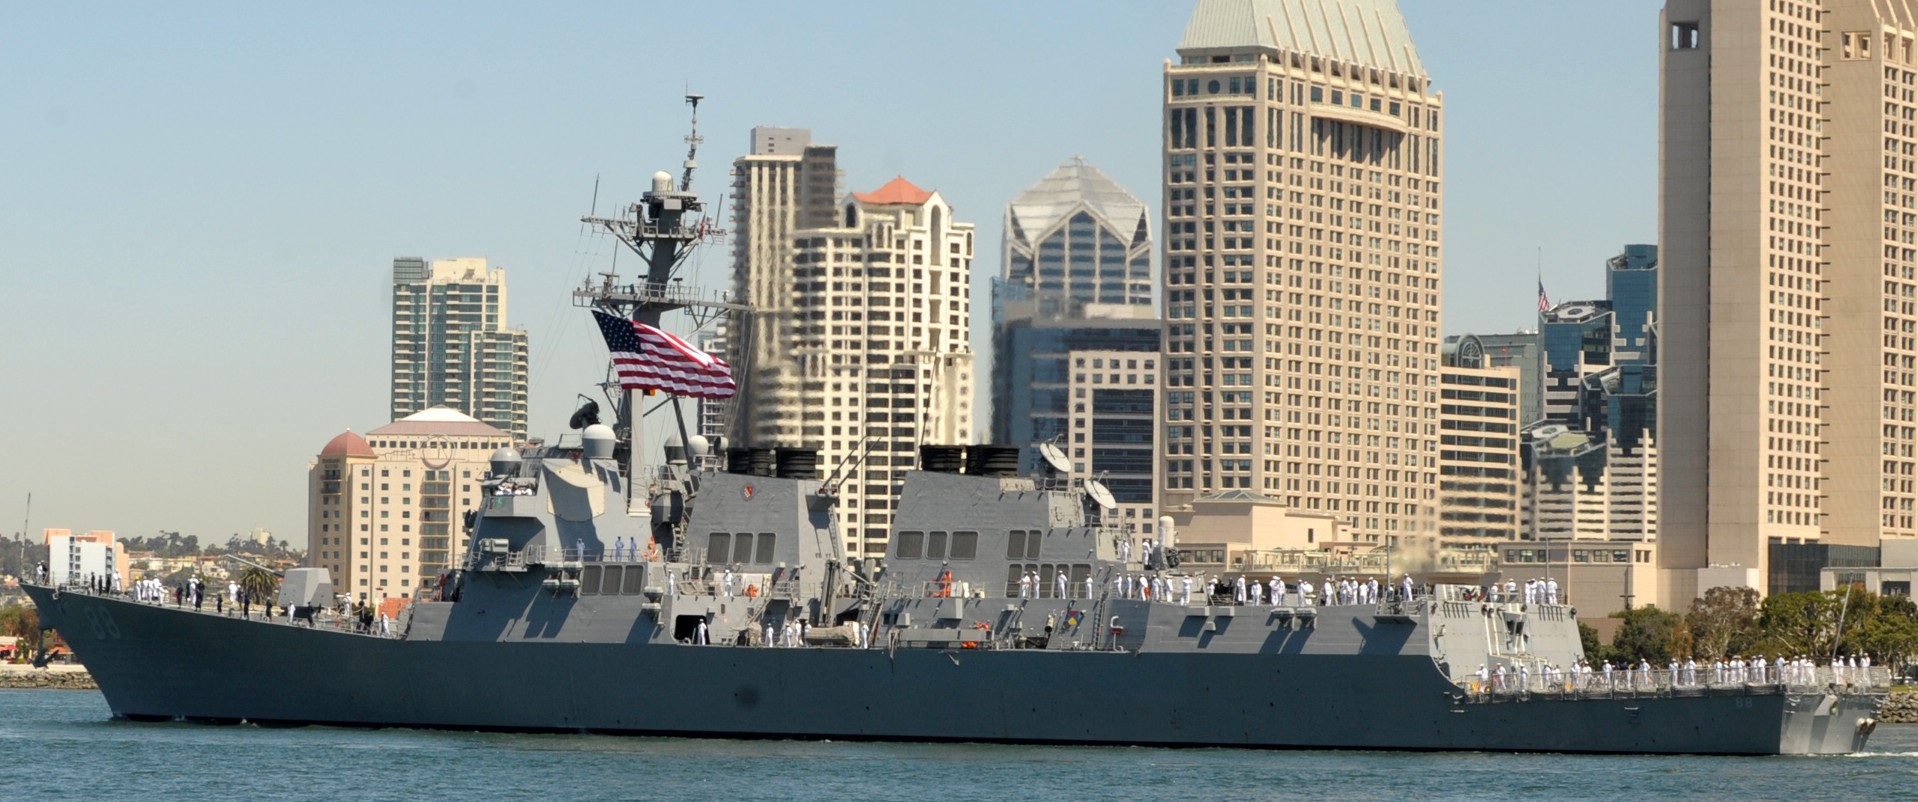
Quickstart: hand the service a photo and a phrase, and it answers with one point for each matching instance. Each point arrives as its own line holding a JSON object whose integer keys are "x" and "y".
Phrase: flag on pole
{"x": 649, "y": 359}
{"x": 1544, "y": 303}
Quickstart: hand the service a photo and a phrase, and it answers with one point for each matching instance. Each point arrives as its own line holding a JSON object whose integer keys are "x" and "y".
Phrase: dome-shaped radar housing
{"x": 662, "y": 181}
{"x": 506, "y": 462}
{"x": 599, "y": 439}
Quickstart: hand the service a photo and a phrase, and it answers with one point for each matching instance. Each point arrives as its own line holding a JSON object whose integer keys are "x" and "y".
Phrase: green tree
{"x": 1890, "y": 635}
{"x": 1817, "y": 624}
{"x": 1649, "y": 634}
{"x": 261, "y": 585}
{"x": 20, "y": 621}
{"x": 1724, "y": 622}
{"x": 1595, "y": 652}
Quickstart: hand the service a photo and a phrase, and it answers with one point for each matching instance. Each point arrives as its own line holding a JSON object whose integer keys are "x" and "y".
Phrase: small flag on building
{"x": 1544, "y": 303}
{"x": 649, "y": 359}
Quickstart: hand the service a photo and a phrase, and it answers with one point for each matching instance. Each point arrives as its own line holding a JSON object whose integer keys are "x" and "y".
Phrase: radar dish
{"x": 1055, "y": 457}
{"x": 587, "y": 415}
{"x": 1097, "y": 491}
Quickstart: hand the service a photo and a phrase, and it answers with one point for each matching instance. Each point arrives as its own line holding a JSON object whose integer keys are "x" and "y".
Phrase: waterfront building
{"x": 84, "y": 557}
{"x": 1303, "y": 192}
{"x": 1076, "y": 339}
{"x": 786, "y": 183}
{"x": 384, "y": 510}
{"x": 1788, "y": 329}
{"x": 451, "y": 346}
{"x": 882, "y": 326}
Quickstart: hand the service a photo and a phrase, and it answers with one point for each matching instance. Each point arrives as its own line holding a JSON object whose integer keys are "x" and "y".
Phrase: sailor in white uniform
{"x": 1059, "y": 584}
{"x": 1185, "y": 591}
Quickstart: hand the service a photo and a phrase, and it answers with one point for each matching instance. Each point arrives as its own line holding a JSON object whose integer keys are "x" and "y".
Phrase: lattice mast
{"x": 662, "y": 229}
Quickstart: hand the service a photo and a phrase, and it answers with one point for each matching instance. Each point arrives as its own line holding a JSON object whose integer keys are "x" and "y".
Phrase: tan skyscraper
{"x": 1302, "y": 252}
{"x": 883, "y": 326}
{"x": 1787, "y": 238}
{"x": 785, "y": 184}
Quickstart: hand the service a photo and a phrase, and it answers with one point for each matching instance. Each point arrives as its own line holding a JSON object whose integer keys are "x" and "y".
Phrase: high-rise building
{"x": 882, "y": 321}
{"x": 1478, "y": 454}
{"x": 1076, "y": 338}
{"x": 384, "y": 511}
{"x": 1303, "y": 186}
{"x": 1089, "y": 385}
{"x": 451, "y": 346}
{"x": 786, "y": 183}
{"x": 1788, "y": 330}
{"x": 1078, "y": 238}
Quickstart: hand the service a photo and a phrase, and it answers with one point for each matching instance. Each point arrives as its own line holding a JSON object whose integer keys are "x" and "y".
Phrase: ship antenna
{"x": 692, "y": 144}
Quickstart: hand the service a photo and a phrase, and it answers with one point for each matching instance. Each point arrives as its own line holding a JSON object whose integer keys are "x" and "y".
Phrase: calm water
{"x": 61, "y": 745}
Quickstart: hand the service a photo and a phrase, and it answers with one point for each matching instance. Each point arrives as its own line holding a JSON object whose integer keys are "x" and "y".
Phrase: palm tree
{"x": 260, "y": 585}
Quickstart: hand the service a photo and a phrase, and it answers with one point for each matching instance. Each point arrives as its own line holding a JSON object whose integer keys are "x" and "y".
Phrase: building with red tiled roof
{"x": 896, "y": 192}
{"x": 886, "y": 290}
{"x": 383, "y": 509}
{"x": 346, "y": 444}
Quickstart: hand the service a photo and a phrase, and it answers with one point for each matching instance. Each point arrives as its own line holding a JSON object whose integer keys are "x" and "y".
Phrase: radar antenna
{"x": 692, "y": 144}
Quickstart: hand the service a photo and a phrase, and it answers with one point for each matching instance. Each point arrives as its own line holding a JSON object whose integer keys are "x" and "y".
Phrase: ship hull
{"x": 157, "y": 663}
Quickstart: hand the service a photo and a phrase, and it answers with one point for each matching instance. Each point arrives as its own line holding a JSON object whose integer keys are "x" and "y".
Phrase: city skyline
{"x": 257, "y": 187}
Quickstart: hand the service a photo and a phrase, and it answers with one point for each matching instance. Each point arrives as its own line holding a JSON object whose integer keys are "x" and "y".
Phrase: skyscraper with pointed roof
{"x": 1303, "y": 185}
{"x": 1076, "y": 337}
{"x": 1078, "y": 238}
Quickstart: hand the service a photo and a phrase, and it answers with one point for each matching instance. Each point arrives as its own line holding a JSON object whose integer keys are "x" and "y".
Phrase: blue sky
{"x": 200, "y": 203}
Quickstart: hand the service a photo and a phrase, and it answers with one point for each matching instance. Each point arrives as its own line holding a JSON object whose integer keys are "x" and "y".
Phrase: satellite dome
{"x": 599, "y": 440}
{"x": 505, "y": 461}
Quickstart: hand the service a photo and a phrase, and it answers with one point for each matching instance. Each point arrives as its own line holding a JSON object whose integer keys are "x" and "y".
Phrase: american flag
{"x": 1544, "y": 303}
{"x": 649, "y": 359}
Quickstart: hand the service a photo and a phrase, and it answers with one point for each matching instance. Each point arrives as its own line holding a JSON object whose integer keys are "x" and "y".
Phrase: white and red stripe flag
{"x": 649, "y": 359}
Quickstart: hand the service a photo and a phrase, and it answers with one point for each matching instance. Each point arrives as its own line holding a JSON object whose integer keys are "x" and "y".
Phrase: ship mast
{"x": 663, "y": 228}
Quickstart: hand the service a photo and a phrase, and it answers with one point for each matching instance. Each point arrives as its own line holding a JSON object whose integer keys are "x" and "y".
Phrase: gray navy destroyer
{"x": 713, "y": 596}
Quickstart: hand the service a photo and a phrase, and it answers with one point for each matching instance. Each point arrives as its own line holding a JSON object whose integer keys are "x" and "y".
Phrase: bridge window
{"x": 911, "y": 545}
{"x": 965, "y": 545}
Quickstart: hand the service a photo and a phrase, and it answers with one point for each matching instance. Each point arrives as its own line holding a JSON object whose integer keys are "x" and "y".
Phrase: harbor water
{"x": 63, "y": 745}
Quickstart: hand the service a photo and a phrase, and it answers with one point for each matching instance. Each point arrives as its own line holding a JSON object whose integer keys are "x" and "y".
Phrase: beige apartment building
{"x": 1303, "y": 191}
{"x": 385, "y": 510}
{"x": 785, "y": 184}
{"x": 1789, "y": 333}
{"x": 882, "y": 340}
